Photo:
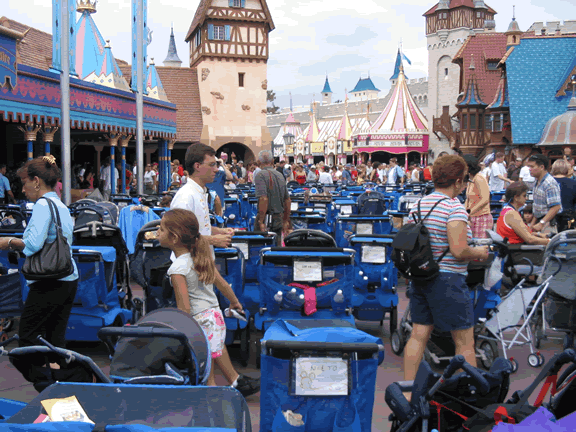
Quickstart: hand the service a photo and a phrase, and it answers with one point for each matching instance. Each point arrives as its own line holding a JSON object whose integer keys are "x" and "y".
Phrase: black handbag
{"x": 54, "y": 260}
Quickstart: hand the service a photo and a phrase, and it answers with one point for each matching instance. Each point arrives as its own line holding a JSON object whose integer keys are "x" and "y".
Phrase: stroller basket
{"x": 206, "y": 408}
{"x": 560, "y": 313}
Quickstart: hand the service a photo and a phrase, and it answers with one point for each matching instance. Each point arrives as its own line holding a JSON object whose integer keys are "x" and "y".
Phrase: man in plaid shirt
{"x": 547, "y": 203}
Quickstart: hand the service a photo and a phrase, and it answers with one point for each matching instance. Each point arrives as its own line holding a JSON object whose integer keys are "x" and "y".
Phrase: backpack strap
{"x": 421, "y": 220}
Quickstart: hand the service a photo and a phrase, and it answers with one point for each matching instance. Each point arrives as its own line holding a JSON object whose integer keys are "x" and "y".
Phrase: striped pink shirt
{"x": 450, "y": 210}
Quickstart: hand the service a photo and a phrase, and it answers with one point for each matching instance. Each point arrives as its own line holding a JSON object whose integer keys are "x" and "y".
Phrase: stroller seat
{"x": 309, "y": 238}
{"x": 157, "y": 359}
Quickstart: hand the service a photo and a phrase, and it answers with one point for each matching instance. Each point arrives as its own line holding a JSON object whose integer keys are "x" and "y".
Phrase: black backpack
{"x": 411, "y": 250}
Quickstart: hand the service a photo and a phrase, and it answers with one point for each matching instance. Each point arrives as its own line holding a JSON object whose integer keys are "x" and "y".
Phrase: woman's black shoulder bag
{"x": 54, "y": 260}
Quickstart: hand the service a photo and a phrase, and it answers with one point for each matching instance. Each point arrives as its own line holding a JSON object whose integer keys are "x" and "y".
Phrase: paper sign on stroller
{"x": 307, "y": 271}
{"x": 320, "y": 376}
{"x": 373, "y": 254}
{"x": 346, "y": 209}
{"x": 65, "y": 409}
{"x": 364, "y": 228}
{"x": 243, "y": 248}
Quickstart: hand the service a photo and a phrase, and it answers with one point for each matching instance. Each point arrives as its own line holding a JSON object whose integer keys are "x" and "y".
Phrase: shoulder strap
{"x": 420, "y": 220}
{"x": 53, "y": 212}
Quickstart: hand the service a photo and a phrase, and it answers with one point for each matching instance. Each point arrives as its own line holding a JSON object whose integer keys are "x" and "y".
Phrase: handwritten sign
{"x": 307, "y": 271}
{"x": 320, "y": 376}
{"x": 373, "y": 254}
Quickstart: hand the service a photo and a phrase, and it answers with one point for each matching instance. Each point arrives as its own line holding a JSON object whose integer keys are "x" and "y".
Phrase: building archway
{"x": 242, "y": 152}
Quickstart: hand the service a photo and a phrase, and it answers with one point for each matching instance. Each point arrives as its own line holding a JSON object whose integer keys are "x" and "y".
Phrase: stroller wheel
{"x": 542, "y": 359}
{"x": 514, "y": 364}
{"x": 490, "y": 351}
{"x": 534, "y": 360}
{"x": 397, "y": 342}
{"x": 393, "y": 319}
{"x": 6, "y": 324}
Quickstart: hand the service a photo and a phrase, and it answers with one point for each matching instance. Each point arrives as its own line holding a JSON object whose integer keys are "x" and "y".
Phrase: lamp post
{"x": 288, "y": 141}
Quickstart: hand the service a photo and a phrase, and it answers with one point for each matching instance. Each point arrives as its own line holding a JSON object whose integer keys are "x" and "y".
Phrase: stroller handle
{"x": 322, "y": 346}
{"x": 141, "y": 332}
{"x": 459, "y": 362}
{"x": 566, "y": 356}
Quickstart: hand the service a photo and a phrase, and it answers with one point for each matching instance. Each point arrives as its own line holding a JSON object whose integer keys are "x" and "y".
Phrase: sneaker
{"x": 248, "y": 386}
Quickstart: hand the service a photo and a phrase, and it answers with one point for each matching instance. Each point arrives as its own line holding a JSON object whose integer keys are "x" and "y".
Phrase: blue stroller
{"x": 230, "y": 263}
{"x": 251, "y": 243}
{"x": 97, "y": 303}
{"x": 372, "y": 203}
{"x": 297, "y": 282}
{"x": 349, "y": 225}
{"x": 309, "y": 219}
{"x": 375, "y": 280}
{"x": 318, "y": 375}
{"x": 232, "y": 207}
{"x": 149, "y": 265}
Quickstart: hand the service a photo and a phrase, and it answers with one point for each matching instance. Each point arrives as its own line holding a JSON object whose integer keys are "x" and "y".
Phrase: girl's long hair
{"x": 184, "y": 225}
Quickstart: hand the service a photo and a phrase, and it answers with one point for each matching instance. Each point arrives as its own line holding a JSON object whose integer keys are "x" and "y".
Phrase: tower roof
{"x": 312, "y": 131}
{"x": 453, "y": 4}
{"x": 345, "y": 129}
{"x": 472, "y": 95}
{"x": 401, "y": 114}
{"x": 154, "y": 85}
{"x": 513, "y": 27}
{"x": 501, "y": 98}
{"x": 90, "y": 46}
{"x": 364, "y": 84}
{"x": 202, "y": 12}
{"x": 326, "y": 88}
{"x": 172, "y": 52}
{"x": 397, "y": 66}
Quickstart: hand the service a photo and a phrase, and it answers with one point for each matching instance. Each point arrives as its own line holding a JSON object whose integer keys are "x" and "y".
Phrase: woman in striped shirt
{"x": 444, "y": 302}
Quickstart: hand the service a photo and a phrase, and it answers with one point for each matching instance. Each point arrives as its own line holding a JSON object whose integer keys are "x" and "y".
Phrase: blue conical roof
{"x": 154, "y": 83}
{"x": 326, "y": 88}
{"x": 90, "y": 46}
{"x": 397, "y": 67}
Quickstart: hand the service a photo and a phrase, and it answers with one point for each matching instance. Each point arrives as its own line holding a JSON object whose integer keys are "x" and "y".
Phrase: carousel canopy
{"x": 401, "y": 115}
{"x": 289, "y": 127}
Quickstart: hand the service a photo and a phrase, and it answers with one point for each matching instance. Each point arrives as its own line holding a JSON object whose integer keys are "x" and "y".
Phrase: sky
{"x": 345, "y": 39}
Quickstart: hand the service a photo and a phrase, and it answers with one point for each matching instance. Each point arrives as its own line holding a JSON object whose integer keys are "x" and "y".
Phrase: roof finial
{"x": 108, "y": 44}
{"x": 514, "y": 12}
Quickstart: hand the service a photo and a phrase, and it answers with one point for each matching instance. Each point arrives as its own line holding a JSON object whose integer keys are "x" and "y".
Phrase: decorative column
{"x": 30, "y": 131}
{"x": 48, "y": 133}
{"x": 98, "y": 149}
{"x": 162, "y": 165}
{"x": 124, "y": 140}
{"x": 170, "y": 148}
{"x": 113, "y": 139}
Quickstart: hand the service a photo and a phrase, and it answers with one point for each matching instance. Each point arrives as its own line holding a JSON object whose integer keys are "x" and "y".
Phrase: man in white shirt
{"x": 369, "y": 168}
{"x": 338, "y": 175}
{"x": 415, "y": 176}
{"x": 498, "y": 174}
{"x": 106, "y": 179}
{"x": 200, "y": 162}
{"x": 395, "y": 173}
{"x": 325, "y": 177}
{"x": 526, "y": 177}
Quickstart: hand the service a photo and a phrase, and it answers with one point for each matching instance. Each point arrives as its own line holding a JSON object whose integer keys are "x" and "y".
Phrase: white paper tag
{"x": 320, "y": 376}
{"x": 329, "y": 274}
{"x": 320, "y": 206}
{"x": 405, "y": 220}
{"x": 243, "y": 248}
{"x": 294, "y": 206}
{"x": 364, "y": 228}
{"x": 309, "y": 210}
{"x": 307, "y": 271}
{"x": 233, "y": 196}
{"x": 373, "y": 254}
{"x": 346, "y": 209}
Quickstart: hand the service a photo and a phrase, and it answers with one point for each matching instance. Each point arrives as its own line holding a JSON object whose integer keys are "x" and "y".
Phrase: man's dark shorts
{"x": 443, "y": 302}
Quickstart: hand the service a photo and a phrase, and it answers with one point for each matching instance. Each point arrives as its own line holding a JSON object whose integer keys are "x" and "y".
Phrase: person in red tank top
{"x": 510, "y": 224}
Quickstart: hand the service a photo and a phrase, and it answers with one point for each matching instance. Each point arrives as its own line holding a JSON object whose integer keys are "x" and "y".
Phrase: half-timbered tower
{"x": 229, "y": 48}
{"x": 448, "y": 25}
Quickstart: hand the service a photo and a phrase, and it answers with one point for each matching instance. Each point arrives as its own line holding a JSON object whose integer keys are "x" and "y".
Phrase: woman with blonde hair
{"x": 561, "y": 172}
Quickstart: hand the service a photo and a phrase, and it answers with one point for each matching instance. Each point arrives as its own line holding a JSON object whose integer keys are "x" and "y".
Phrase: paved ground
{"x": 13, "y": 386}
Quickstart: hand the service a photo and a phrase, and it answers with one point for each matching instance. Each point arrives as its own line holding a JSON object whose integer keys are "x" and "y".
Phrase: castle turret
{"x": 326, "y": 93}
{"x": 172, "y": 59}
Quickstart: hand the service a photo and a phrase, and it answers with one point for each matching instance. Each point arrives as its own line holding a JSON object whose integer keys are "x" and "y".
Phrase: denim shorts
{"x": 443, "y": 302}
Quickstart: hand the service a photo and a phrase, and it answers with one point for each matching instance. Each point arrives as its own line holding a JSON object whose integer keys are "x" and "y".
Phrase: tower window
{"x": 445, "y": 71}
{"x": 219, "y": 32}
{"x": 237, "y": 3}
{"x": 241, "y": 79}
{"x": 198, "y": 39}
{"x": 464, "y": 121}
{"x": 492, "y": 65}
{"x": 472, "y": 121}
{"x": 488, "y": 122}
